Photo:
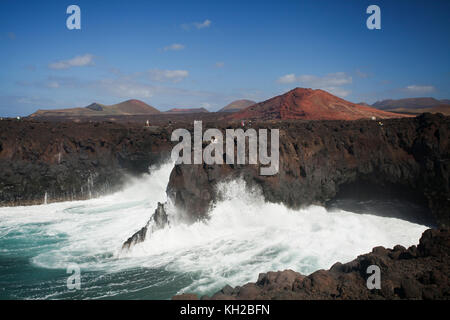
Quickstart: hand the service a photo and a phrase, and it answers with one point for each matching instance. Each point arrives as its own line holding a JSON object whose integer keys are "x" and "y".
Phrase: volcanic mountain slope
{"x": 309, "y": 104}
{"x": 410, "y": 103}
{"x": 129, "y": 107}
{"x": 187, "y": 110}
{"x": 237, "y": 105}
{"x": 443, "y": 108}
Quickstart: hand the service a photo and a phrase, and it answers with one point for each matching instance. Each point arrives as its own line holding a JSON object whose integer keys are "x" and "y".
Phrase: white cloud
{"x": 168, "y": 75}
{"x": 136, "y": 85}
{"x": 126, "y": 89}
{"x": 206, "y": 105}
{"x": 332, "y": 79}
{"x": 78, "y": 61}
{"x": 340, "y": 92}
{"x": 204, "y": 24}
{"x": 160, "y": 96}
{"x": 197, "y": 25}
{"x": 331, "y": 82}
{"x": 174, "y": 47}
{"x": 220, "y": 64}
{"x": 419, "y": 89}
{"x": 288, "y": 78}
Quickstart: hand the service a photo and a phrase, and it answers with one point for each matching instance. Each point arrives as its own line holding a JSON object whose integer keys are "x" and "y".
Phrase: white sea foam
{"x": 244, "y": 236}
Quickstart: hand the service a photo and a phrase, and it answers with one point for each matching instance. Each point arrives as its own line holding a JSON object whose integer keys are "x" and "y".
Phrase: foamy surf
{"x": 244, "y": 236}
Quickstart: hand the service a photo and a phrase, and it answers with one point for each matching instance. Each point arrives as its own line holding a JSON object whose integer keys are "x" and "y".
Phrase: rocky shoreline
{"x": 64, "y": 161}
{"x": 319, "y": 161}
{"x": 419, "y": 272}
{"x": 322, "y": 160}
{"x": 408, "y": 158}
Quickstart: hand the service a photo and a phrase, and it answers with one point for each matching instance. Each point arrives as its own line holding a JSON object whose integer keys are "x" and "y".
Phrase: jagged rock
{"x": 424, "y": 276}
{"x": 136, "y": 238}
{"x": 158, "y": 220}
{"x": 160, "y": 217}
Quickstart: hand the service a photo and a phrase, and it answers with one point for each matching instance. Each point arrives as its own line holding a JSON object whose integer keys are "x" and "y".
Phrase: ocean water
{"x": 243, "y": 237}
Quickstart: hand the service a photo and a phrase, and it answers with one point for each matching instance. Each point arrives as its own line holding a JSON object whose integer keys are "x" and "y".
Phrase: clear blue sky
{"x": 208, "y": 53}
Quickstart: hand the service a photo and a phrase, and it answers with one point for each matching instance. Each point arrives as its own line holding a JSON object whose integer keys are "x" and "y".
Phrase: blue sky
{"x": 208, "y": 53}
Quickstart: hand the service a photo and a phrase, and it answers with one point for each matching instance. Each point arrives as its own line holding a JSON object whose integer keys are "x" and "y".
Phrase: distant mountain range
{"x": 410, "y": 103}
{"x": 443, "y": 108}
{"x": 237, "y": 105}
{"x": 129, "y": 107}
{"x": 186, "y": 110}
{"x": 299, "y": 103}
{"x": 415, "y": 105}
{"x": 309, "y": 104}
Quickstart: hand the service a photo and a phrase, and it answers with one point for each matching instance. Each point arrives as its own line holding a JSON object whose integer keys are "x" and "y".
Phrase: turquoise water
{"x": 243, "y": 237}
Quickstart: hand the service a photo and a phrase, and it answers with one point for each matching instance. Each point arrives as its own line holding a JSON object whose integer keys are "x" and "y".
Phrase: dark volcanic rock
{"x": 158, "y": 221}
{"x": 95, "y": 106}
{"x": 407, "y": 158}
{"x": 424, "y": 275}
{"x": 70, "y": 160}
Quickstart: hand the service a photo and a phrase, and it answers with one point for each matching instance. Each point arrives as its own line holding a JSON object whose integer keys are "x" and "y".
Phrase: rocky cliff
{"x": 407, "y": 158}
{"x": 320, "y": 161}
{"x": 70, "y": 160}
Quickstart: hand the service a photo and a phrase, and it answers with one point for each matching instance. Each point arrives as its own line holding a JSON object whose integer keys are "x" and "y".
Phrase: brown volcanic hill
{"x": 187, "y": 110}
{"x": 237, "y": 105}
{"x": 410, "y": 103}
{"x": 129, "y": 107}
{"x": 309, "y": 104}
{"x": 134, "y": 107}
{"x": 443, "y": 108}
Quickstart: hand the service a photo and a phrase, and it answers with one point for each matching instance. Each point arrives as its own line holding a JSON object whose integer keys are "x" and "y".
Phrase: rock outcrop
{"x": 157, "y": 221}
{"x": 419, "y": 272}
{"x": 406, "y": 157}
{"x": 68, "y": 161}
